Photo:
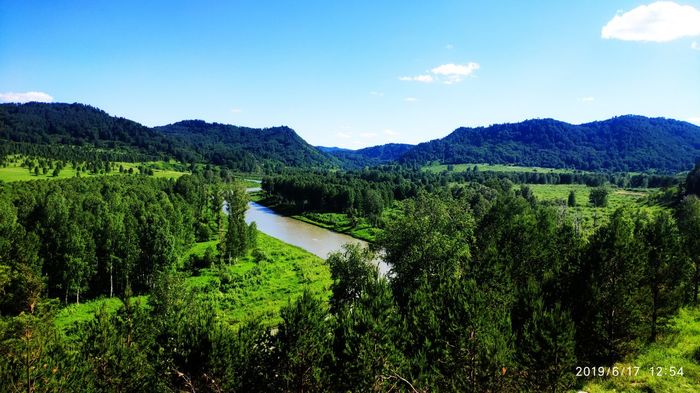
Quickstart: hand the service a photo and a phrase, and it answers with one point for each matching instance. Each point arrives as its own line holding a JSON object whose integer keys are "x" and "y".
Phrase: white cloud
{"x": 695, "y": 45}
{"x": 454, "y": 73}
{"x": 661, "y": 21}
{"x": 343, "y": 135}
{"x": 456, "y": 69}
{"x": 410, "y": 99}
{"x": 418, "y": 78}
{"x": 695, "y": 120}
{"x": 587, "y": 99}
{"x": 376, "y": 93}
{"x": 236, "y": 110}
{"x": 445, "y": 73}
{"x": 29, "y": 96}
{"x": 391, "y": 132}
{"x": 368, "y": 135}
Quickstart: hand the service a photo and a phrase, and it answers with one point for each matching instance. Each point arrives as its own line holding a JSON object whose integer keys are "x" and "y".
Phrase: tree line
{"x": 86, "y": 237}
{"x": 488, "y": 291}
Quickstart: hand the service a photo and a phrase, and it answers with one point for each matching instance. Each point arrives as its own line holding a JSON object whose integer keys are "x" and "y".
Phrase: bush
{"x": 259, "y": 255}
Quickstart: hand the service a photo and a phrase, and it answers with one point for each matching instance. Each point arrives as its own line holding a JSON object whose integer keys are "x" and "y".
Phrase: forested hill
{"x": 33, "y": 128}
{"x": 77, "y": 131}
{"x": 373, "y": 155}
{"x": 222, "y": 143}
{"x": 625, "y": 143}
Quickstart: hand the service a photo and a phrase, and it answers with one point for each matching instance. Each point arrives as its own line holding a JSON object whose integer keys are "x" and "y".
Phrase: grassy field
{"x": 14, "y": 172}
{"x": 80, "y": 313}
{"x": 678, "y": 348}
{"x": 436, "y": 168}
{"x": 249, "y": 288}
{"x": 584, "y": 211}
{"x": 250, "y": 183}
{"x": 340, "y": 222}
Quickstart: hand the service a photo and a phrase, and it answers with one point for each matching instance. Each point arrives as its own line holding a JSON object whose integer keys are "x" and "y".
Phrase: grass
{"x": 250, "y": 183}
{"x": 15, "y": 172}
{"x": 258, "y": 289}
{"x": 198, "y": 249}
{"x": 436, "y": 168}
{"x": 678, "y": 347}
{"x": 247, "y": 289}
{"x": 74, "y": 314}
{"x": 340, "y": 222}
{"x": 588, "y": 215}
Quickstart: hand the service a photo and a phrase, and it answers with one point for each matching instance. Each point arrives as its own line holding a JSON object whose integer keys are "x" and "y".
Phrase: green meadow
{"x": 13, "y": 171}
{"x": 678, "y": 347}
{"x": 256, "y": 286}
{"x": 436, "y": 168}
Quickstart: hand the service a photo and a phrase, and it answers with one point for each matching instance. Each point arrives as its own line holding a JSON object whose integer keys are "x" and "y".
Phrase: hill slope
{"x": 223, "y": 143}
{"x": 368, "y": 156}
{"x": 626, "y": 143}
{"x": 29, "y": 127}
{"x": 77, "y": 131}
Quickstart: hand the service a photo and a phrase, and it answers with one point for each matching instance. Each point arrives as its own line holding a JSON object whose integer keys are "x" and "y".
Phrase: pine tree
{"x": 235, "y": 243}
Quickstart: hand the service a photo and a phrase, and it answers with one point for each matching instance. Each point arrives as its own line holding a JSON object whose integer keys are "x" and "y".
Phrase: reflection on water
{"x": 316, "y": 240}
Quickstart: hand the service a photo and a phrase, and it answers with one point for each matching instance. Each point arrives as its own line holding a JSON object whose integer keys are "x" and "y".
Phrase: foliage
{"x": 625, "y": 143}
{"x": 599, "y": 197}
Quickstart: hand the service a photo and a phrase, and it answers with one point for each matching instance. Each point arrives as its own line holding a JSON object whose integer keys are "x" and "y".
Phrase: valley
{"x": 216, "y": 258}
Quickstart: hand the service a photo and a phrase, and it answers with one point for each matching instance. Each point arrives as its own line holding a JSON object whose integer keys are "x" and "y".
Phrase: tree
{"x": 235, "y": 243}
{"x": 688, "y": 216}
{"x": 302, "y": 346}
{"x": 369, "y": 338}
{"x": 664, "y": 268}
{"x": 116, "y": 350}
{"x": 545, "y": 338}
{"x": 692, "y": 181}
{"x": 34, "y": 356}
{"x": 432, "y": 238}
{"x": 617, "y": 292}
{"x": 252, "y": 235}
{"x": 599, "y": 197}
{"x": 458, "y": 338}
{"x": 572, "y": 199}
{"x": 350, "y": 271}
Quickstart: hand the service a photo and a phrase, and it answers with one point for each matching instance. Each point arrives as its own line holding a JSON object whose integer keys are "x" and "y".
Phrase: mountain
{"x": 332, "y": 149}
{"x": 223, "y": 143}
{"x": 77, "y": 131}
{"x": 26, "y": 127}
{"x": 368, "y": 156}
{"x": 625, "y": 143}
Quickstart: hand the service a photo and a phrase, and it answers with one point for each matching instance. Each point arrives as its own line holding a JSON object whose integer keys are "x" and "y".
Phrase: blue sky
{"x": 356, "y": 73}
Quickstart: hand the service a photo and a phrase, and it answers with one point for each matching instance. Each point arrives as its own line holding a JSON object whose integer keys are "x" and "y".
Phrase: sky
{"x": 356, "y": 73}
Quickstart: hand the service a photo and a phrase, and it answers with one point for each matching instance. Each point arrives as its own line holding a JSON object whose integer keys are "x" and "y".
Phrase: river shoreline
{"x": 286, "y": 213}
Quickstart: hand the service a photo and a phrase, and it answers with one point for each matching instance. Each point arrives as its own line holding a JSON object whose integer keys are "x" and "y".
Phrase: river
{"x": 316, "y": 240}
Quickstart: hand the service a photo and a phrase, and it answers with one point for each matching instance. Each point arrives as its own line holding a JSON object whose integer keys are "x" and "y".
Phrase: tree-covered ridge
{"x": 38, "y": 124}
{"x": 372, "y": 155}
{"x": 223, "y": 143}
{"x": 76, "y": 131}
{"x": 625, "y": 143}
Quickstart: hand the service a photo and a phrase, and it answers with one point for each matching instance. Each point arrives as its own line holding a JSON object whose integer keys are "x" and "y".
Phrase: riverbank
{"x": 358, "y": 228}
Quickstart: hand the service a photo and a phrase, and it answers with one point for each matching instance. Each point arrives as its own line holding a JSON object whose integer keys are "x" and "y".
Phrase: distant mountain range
{"x": 625, "y": 143}
{"x": 239, "y": 148}
{"x": 374, "y": 155}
